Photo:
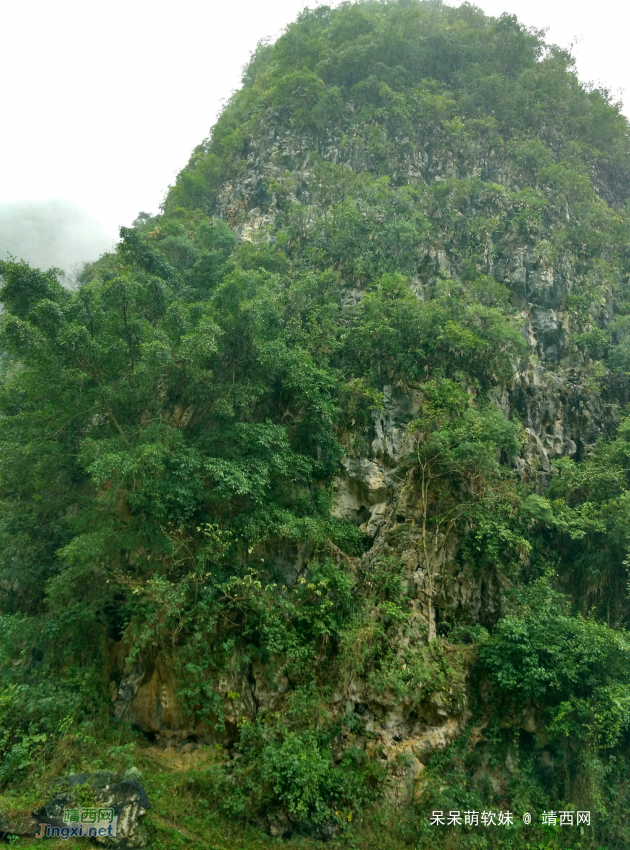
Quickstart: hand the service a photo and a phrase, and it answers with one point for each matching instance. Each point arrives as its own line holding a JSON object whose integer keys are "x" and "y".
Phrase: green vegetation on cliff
{"x": 336, "y": 446}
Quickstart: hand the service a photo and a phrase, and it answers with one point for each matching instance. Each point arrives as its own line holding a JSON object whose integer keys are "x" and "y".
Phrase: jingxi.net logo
{"x": 80, "y": 823}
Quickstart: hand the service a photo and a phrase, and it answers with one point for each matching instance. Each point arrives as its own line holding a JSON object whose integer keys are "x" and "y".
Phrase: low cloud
{"x": 51, "y": 233}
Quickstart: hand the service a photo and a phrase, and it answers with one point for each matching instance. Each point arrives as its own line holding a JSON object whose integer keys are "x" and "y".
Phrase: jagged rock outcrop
{"x": 147, "y": 695}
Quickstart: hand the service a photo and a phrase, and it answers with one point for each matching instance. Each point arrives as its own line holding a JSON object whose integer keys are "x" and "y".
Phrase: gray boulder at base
{"x": 124, "y": 793}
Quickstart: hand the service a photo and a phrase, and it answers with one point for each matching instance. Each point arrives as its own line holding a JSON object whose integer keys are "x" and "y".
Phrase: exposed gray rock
{"x": 124, "y": 793}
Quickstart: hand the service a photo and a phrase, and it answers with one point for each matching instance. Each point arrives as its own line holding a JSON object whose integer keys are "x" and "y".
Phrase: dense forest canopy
{"x": 341, "y": 437}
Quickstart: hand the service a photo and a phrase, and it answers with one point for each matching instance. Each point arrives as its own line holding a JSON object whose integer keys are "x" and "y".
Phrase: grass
{"x": 182, "y": 815}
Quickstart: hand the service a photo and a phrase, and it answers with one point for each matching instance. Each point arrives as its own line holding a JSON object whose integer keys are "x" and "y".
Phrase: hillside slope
{"x": 327, "y": 468}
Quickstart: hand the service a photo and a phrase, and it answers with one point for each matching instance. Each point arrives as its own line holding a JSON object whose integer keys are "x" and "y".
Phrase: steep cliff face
{"x": 463, "y": 163}
{"x": 374, "y": 155}
{"x": 341, "y": 437}
{"x": 508, "y": 178}
{"x": 462, "y": 152}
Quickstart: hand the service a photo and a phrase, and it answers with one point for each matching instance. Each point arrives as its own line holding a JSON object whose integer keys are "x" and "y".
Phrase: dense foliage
{"x": 401, "y": 200}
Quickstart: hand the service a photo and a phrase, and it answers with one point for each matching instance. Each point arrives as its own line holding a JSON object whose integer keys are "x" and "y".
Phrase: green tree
{"x": 457, "y": 468}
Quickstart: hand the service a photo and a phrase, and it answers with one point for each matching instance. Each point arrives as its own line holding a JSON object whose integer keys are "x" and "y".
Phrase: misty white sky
{"x": 102, "y": 101}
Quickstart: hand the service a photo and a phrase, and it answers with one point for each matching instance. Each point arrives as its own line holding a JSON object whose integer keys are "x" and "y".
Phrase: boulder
{"x": 124, "y": 793}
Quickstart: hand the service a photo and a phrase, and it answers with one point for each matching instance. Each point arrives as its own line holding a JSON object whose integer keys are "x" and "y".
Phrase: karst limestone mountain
{"x": 315, "y": 490}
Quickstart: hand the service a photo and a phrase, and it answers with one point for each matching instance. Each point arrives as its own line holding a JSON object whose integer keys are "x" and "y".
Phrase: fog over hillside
{"x": 50, "y": 233}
